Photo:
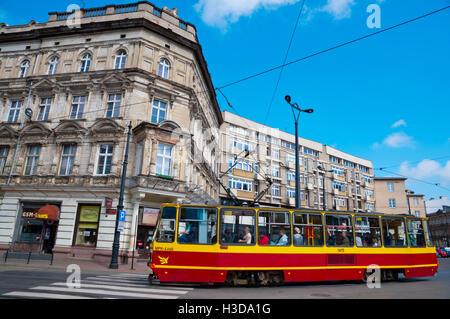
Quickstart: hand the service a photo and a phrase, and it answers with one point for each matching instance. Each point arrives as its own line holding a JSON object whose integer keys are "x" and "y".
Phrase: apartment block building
{"x": 390, "y": 193}
{"x": 69, "y": 89}
{"x": 348, "y": 180}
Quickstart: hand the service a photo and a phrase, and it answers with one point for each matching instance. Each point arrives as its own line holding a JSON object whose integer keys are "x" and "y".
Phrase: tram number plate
{"x": 164, "y": 248}
{"x": 341, "y": 250}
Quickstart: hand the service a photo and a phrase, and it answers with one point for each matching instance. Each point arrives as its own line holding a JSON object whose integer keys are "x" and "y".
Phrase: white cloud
{"x": 221, "y": 13}
{"x": 398, "y": 139}
{"x": 339, "y": 9}
{"x": 427, "y": 169}
{"x": 399, "y": 123}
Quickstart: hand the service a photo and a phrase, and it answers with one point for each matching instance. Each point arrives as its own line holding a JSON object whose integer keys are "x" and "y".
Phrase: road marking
{"x": 43, "y": 295}
{"x": 152, "y": 290}
{"x": 105, "y": 278}
{"x": 104, "y": 292}
{"x": 146, "y": 285}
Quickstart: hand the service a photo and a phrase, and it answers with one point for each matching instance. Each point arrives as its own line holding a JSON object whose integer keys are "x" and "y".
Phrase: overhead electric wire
{"x": 333, "y": 48}
{"x": 430, "y": 159}
{"x": 284, "y": 62}
{"x": 416, "y": 179}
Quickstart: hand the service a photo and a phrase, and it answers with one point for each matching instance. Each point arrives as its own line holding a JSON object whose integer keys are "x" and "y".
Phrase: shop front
{"x": 37, "y": 228}
{"x": 147, "y": 220}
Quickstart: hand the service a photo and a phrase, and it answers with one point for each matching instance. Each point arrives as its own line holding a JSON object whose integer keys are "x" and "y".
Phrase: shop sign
{"x": 89, "y": 214}
{"x": 108, "y": 202}
{"x": 111, "y": 211}
{"x": 47, "y": 212}
{"x": 150, "y": 216}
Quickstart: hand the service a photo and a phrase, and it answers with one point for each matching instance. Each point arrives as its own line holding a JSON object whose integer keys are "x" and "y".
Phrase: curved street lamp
{"x": 294, "y": 106}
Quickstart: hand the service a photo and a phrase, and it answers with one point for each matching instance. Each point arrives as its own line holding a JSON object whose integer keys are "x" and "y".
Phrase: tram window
{"x": 339, "y": 230}
{"x": 238, "y": 226}
{"x": 274, "y": 228}
{"x": 416, "y": 235}
{"x": 430, "y": 242}
{"x": 394, "y": 232}
{"x": 367, "y": 231}
{"x": 308, "y": 229}
{"x": 197, "y": 225}
{"x": 166, "y": 228}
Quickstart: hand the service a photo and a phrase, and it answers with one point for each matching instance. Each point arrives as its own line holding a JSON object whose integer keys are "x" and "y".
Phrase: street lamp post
{"x": 115, "y": 248}
{"x": 294, "y": 106}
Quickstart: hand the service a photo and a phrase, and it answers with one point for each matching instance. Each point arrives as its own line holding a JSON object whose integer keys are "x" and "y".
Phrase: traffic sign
{"x": 122, "y": 215}
{"x": 121, "y": 225}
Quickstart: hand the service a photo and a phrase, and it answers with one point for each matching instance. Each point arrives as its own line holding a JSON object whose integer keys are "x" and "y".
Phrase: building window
{"x": 337, "y": 170}
{"x": 276, "y": 190}
{"x": 87, "y": 225}
{"x": 417, "y": 213}
{"x": 416, "y": 202}
{"x": 339, "y": 186}
{"x": 275, "y": 154}
{"x": 290, "y": 192}
{"x": 85, "y": 63}
{"x": 157, "y": 12}
{"x": 44, "y": 109}
{"x": 4, "y": 151}
{"x": 14, "y": 111}
{"x": 113, "y": 105}
{"x": 164, "y": 160}
{"x": 392, "y": 203}
{"x": 310, "y": 151}
{"x": 164, "y": 68}
{"x": 390, "y": 187}
{"x": 67, "y": 159}
{"x": 53, "y": 66}
{"x": 275, "y": 171}
{"x": 339, "y": 202}
{"x": 158, "y": 111}
{"x": 121, "y": 59}
{"x": 24, "y": 67}
{"x": 290, "y": 176}
{"x": 243, "y": 165}
{"x": 240, "y": 184}
{"x": 105, "y": 159}
{"x": 32, "y": 159}
{"x": 77, "y": 107}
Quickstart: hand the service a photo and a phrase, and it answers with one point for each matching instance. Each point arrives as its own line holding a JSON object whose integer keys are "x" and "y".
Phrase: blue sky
{"x": 386, "y": 98}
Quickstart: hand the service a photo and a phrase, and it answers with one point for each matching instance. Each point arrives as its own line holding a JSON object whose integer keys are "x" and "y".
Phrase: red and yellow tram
{"x": 243, "y": 245}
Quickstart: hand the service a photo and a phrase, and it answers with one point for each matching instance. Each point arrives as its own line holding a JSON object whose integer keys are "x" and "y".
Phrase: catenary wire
{"x": 284, "y": 62}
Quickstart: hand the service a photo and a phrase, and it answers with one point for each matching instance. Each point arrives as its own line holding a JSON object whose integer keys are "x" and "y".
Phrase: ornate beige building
{"x": 84, "y": 78}
{"x": 348, "y": 179}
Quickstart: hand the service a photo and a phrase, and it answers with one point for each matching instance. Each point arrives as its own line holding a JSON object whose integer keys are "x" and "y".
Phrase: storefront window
{"x": 148, "y": 217}
{"x": 87, "y": 229}
{"x": 31, "y": 231}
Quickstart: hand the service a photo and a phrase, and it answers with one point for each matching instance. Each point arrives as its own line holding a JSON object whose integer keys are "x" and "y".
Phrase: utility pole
{"x": 115, "y": 248}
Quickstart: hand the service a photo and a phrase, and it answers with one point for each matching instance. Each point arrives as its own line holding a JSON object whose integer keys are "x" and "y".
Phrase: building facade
{"x": 439, "y": 222}
{"x": 348, "y": 180}
{"x": 416, "y": 204}
{"x": 69, "y": 90}
{"x": 434, "y": 204}
{"x": 390, "y": 193}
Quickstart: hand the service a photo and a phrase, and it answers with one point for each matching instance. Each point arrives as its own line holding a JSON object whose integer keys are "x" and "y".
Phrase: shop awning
{"x": 49, "y": 212}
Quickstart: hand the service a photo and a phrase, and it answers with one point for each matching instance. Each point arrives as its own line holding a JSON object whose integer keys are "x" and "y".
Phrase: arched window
{"x": 85, "y": 63}
{"x": 53, "y": 66}
{"x": 24, "y": 67}
{"x": 164, "y": 68}
{"x": 121, "y": 59}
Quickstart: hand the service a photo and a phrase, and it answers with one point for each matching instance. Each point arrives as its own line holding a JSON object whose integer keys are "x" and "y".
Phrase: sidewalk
{"x": 85, "y": 265}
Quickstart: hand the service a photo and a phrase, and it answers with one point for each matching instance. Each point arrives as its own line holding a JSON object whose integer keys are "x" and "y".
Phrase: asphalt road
{"x": 51, "y": 283}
